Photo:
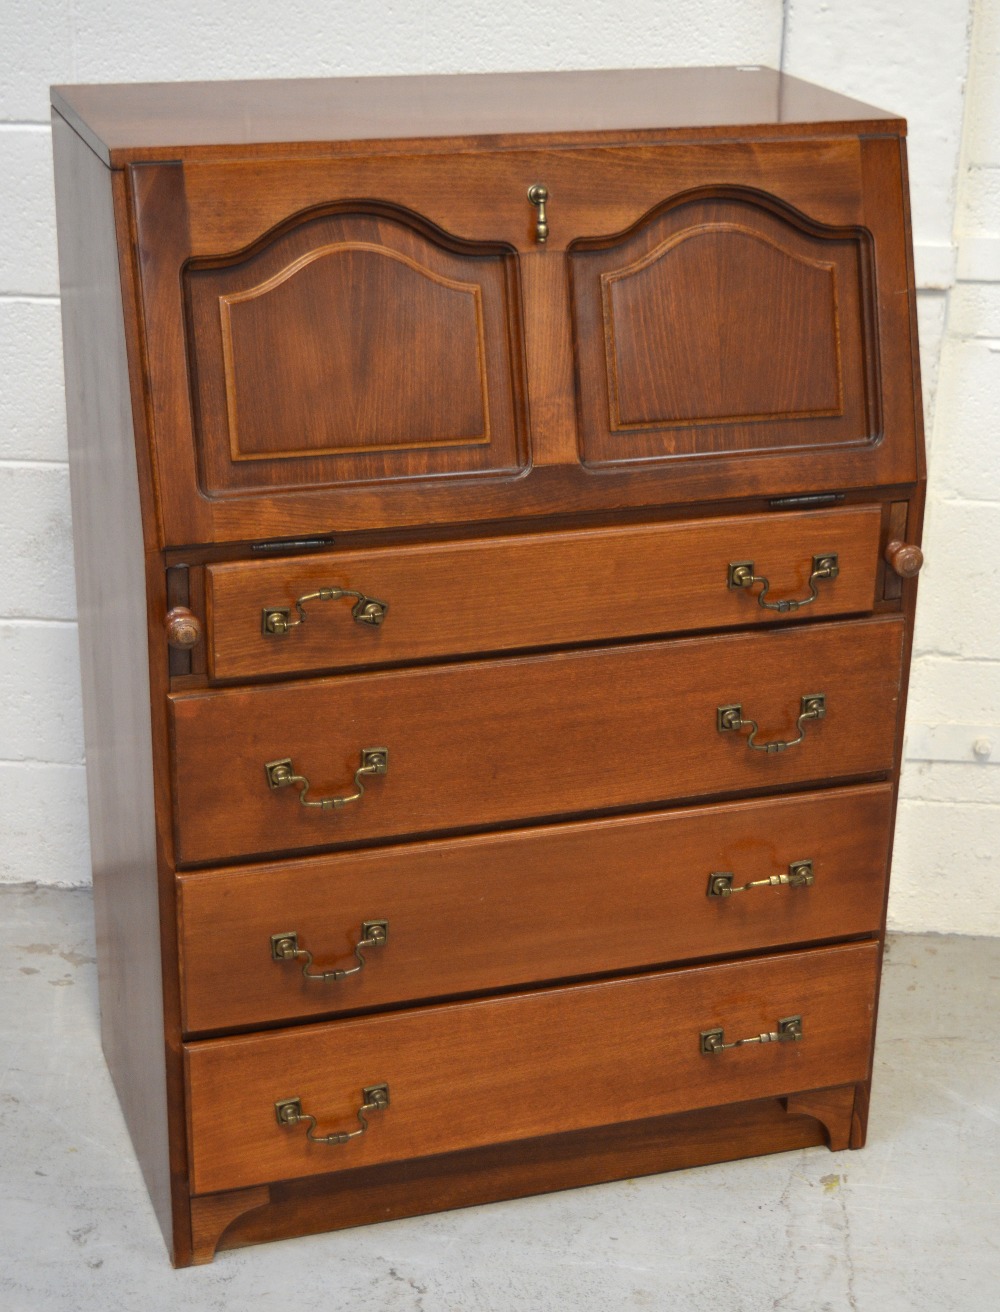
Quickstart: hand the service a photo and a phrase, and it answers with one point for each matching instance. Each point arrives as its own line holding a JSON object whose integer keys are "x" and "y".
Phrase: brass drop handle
{"x": 741, "y": 575}
{"x": 285, "y": 947}
{"x": 799, "y": 875}
{"x": 281, "y": 774}
{"x": 905, "y": 558}
{"x": 183, "y": 628}
{"x": 789, "y": 1031}
{"x": 288, "y": 1111}
{"x": 729, "y": 719}
{"x": 539, "y": 195}
{"x": 277, "y": 622}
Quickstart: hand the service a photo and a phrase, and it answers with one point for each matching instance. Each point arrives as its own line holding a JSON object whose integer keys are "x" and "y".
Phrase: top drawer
{"x": 501, "y": 594}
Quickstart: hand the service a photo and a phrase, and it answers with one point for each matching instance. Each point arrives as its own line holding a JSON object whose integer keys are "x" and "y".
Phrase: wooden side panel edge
{"x": 885, "y": 163}
{"x": 112, "y": 604}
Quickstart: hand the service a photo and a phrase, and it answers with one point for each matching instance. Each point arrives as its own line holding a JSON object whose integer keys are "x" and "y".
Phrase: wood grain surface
{"x": 488, "y": 743}
{"x": 319, "y": 310}
{"x": 498, "y": 911}
{"x": 537, "y": 590}
{"x": 724, "y": 325}
{"x": 484, "y": 1072}
{"x": 109, "y": 525}
{"x": 236, "y": 214}
{"x": 509, "y": 1170}
{"x": 167, "y": 120}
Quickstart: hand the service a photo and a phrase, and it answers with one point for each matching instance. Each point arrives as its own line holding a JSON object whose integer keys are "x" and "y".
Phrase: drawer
{"x": 493, "y": 742}
{"x": 537, "y": 590}
{"x": 484, "y": 1072}
{"x": 496, "y": 911}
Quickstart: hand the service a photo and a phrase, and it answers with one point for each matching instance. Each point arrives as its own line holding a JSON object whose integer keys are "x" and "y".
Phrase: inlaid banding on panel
{"x": 725, "y": 324}
{"x": 725, "y": 353}
{"x": 354, "y": 345}
{"x": 363, "y": 312}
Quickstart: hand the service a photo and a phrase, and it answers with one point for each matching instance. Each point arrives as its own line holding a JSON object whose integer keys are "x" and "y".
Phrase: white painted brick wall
{"x": 32, "y": 401}
{"x": 36, "y": 545}
{"x": 27, "y": 212}
{"x": 916, "y": 63}
{"x": 949, "y": 830}
{"x": 909, "y": 58}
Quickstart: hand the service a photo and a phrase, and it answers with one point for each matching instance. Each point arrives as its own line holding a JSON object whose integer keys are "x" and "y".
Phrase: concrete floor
{"x": 910, "y": 1223}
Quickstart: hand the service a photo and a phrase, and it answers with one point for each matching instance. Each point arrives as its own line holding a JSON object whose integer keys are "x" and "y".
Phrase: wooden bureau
{"x": 496, "y": 505}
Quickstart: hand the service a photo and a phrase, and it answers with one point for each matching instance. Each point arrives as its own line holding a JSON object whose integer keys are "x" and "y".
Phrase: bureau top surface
{"x": 145, "y": 121}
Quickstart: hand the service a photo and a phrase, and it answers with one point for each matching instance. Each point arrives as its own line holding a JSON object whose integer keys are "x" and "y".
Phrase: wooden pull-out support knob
{"x": 183, "y": 628}
{"x": 905, "y": 558}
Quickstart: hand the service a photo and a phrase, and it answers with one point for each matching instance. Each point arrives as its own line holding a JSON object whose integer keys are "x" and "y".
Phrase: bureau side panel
{"x": 887, "y": 190}
{"x": 112, "y": 605}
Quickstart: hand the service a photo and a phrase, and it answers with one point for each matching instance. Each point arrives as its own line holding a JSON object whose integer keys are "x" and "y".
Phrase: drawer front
{"x": 475, "y": 1073}
{"x": 487, "y": 743}
{"x": 561, "y": 902}
{"x": 533, "y": 591}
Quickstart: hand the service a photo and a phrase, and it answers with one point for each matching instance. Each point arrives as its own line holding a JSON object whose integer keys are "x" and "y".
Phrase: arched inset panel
{"x": 736, "y": 353}
{"x": 724, "y": 326}
{"x": 365, "y": 311}
{"x": 353, "y": 347}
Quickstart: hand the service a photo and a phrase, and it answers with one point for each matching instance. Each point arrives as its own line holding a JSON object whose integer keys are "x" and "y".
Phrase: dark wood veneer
{"x": 564, "y": 1161}
{"x": 486, "y": 743}
{"x": 191, "y": 119}
{"x": 443, "y": 1063}
{"x": 458, "y": 598}
{"x": 118, "y": 623}
{"x": 565, "y": 902}
{"x": 320, "y": 311}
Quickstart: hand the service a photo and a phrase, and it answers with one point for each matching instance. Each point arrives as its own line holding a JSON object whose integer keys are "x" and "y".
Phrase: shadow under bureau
{"x": 496, "y": 504}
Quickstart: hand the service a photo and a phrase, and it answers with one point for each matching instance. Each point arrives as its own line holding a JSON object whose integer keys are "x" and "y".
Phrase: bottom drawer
{"x": 525, "y": 1065}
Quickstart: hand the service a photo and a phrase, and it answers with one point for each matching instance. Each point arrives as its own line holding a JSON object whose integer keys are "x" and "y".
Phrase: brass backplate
{"x": 369, "y": 610}
{"x": 814, "y": 704}
{"x": 740, "y": 574}
{"x": 279, "y": 773}
{"x": 375, "y": 930}
{"x": 826, "y": 565}
{"x": 728, "y": 718}
{"x": 375, "y": 759}
{"x": 274, "y": 621}
{"x": 801, "y": 872}
{"x": 376, "y": 1095}
{"x": 708, "y": 1039}
{"x": 284, "y": 946}
{"x": 792, "y": 1026}
{"x": 719, "y": 884}
{"x": 288, "y": 1111}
